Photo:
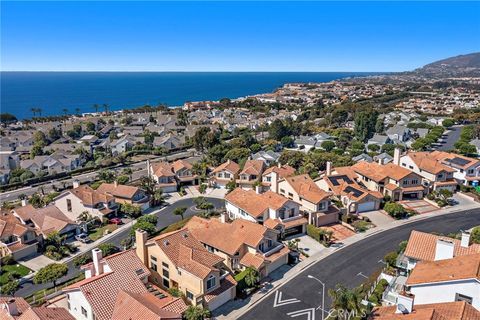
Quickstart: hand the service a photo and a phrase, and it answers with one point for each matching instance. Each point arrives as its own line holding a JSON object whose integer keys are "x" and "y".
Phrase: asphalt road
{"x": 350, "y": 266}
{"x": 165, "y": 218}
{"x": 450, "y": 139}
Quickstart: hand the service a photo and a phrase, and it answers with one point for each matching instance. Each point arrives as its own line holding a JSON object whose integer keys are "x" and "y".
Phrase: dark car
{"x": 83, "y": 237}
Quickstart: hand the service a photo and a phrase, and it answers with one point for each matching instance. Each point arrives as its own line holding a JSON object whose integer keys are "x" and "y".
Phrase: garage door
{"x": 366, "y": 206}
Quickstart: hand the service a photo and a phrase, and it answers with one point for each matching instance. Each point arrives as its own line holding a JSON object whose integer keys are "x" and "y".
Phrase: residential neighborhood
{"x": 214, "y": 209}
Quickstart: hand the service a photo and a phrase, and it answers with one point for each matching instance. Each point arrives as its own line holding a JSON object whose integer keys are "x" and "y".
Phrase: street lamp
{"x": 323, "y": 292}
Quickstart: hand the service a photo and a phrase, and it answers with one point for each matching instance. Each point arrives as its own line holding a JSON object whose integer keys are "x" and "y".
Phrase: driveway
{"x": 419, "y": 206}
{"x": 378, "y": 218}
{"x": 37, "y": 262}
{"x": 309, "y": 245}
{"x": 349, "y": 266}
{"x": 340, "y": 232}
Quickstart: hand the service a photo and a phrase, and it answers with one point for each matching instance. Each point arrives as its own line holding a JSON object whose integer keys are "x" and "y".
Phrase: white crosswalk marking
{"x": 310, "y": 313}
{"x": 279, "y": 302}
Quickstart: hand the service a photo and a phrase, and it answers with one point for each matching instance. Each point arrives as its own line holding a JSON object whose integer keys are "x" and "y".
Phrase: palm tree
{"x": 251, "y": 276}
{"x": 77, "y": 110}
{"x": 106, "y": 107}
{"x": 196, "y": 313}
{"x": 39, "y": 110}
{"x": 158, "y": 197}
{"x": 65, "y": 111}
{"x": 346, "y": 299}
{"x": 96, "y": 106}
{"x": 34, "y": 111}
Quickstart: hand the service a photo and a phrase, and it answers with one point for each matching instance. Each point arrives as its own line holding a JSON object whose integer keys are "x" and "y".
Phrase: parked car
{"x": 83, "y": 237}
{"x": 116, "y": 221}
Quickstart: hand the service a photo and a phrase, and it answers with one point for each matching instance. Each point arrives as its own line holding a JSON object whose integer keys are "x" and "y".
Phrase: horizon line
{"x": 199, "y": 71}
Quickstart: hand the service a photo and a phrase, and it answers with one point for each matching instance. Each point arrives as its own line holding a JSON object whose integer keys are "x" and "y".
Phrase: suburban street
{"x": 349, "y": 266}
{"x": 139, "y": 170}
{"x": 452, "y": 136}
{"x": 165, "y": 218}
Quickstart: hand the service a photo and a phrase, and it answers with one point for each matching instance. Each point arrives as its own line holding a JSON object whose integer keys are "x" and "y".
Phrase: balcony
{"x": 273, "y": 249}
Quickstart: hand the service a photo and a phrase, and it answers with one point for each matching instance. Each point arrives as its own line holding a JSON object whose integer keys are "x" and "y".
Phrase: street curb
{"x": 361, "y": 236}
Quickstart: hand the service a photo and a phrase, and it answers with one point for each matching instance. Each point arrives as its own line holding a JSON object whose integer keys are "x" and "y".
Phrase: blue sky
{"x": 233, "y": 36}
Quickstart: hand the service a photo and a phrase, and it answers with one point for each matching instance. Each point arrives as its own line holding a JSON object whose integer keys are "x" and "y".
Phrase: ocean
{"x": 55, "y": 91}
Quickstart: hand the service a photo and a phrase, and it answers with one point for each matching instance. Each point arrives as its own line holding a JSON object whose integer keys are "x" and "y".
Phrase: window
{"x": 153, "y": 258}
{"x": 470, "y": 171}
{"x": 166, "y": 283}
{"x": 270, "y": 242}
{"x": 69, "y": 205}
{"x": 165, "y": 273}
{"x": 414, "y": 181}
{"x": 189, "y": 295}
{"x": 290, "y": 194}
{"x": 403, "y": 164}
{"x": 227, "y": 175}
{"x": 211, "y": 282}
{"x": 220, "y": 175}
{"x": 322, "y": 206}
{"x": 410, "y": 167}
{"x": 268, "y": 178}
{"x": 261, "y": 247}
{"x": 153, "y": 265}
{"x": 282, "y": 191}
{"x": 165, "y": 265}
{"x": 84, "y": 312}
{"x": 461, "y": 297}
{"x": 68, "y": 305}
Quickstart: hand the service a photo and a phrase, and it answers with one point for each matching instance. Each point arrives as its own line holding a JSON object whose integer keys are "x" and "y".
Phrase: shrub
{"x": 8, "y": 259}
{"x": 391, "y": 258}
{"x": 395, "y": 210}
{"x": 175, "y": 292}
{"x": 360, "y": 225}
{"x": 313, "y": 232}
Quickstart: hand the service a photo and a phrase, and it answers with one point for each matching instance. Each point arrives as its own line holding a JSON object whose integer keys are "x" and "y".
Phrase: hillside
{"x": 467, "y": 65}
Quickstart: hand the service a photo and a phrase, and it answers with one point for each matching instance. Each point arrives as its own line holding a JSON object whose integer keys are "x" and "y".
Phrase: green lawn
{"x": 99, "y": 232}
{"x": 9, "y": 269}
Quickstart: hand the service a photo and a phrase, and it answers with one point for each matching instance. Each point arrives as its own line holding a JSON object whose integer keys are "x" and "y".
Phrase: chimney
{"x": 76, "y": 183}
{"x": 148, "y": 168}
{"x": 141, "y": 248}
{"x": 223, "y": 218}
{"x": 97, "y": 256}
{"x": 274, "y": 182}
{"x": 115, "y": 183}
{"x": 405, "y": 303}
{"x": 396, "y": 156}
{"x": 465, "y": 239}
{"x": 329, "y": 168}
{"x": 444, "y": 249}
{"x": 279, "y": 165}
{"x": 258, "y": 189}
{"x": 24, "y": 202}
{"x": 11, "y": 306}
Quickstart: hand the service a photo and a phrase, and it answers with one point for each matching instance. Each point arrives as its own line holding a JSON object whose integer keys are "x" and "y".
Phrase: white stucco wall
{"x": 446, "y": 291}
{"x": 77, "y": 301}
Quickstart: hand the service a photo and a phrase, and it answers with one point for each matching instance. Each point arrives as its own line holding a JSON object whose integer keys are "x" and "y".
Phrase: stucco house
{"x": 435, "y": 174}
{"x": 250, "y": 174}
{"x": 269, "y": 208}
{"x": 314, "y": 202}
{"x": 241, "y": 243}
{"x": 224, "y": 173}
{"x": 126, "y": 194}
{"x": 179, "y": 260}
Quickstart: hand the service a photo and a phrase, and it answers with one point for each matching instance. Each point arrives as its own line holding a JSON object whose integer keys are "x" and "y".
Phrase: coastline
{"x": 54, "y": 91}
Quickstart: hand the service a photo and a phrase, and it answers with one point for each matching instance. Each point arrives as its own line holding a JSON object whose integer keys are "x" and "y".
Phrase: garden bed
{"x": 99, "y": 232}
{"x": 15, "y": 270}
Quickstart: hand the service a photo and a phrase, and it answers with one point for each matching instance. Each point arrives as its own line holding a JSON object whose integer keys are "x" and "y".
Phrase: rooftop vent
{"x": 165, "y": 242}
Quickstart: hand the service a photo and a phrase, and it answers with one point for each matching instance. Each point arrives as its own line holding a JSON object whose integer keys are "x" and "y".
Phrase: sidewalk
{"x": 235, "y": 309}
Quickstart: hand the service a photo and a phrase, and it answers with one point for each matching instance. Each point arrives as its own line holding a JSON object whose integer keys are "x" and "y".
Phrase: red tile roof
{"x": 421, "y": 246}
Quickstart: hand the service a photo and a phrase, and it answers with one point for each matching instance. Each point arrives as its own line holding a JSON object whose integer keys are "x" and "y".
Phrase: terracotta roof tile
{"x": 426, "y": 162}
{"x": 227, "y": 237}
{"x": 186, "y": 252}
{"x": 458, "y": 268}
{"x": 229, "y": 165}
{"x": 459, "y": 310}
{"x": 252, "y": 260}
{"x": 143, "y": 306}
{"x": 253, "y": 203}
{"x": 421, "y": 246}
{"x": 44, "y": 313}
{"x": 89, "y": 196}
{"x": 283, "y": 172}
{"x": 119, "y": 190}
{"x": 253, "y": 167}
{"x": 162, "y": 169}
{"x": 306, "y": 188}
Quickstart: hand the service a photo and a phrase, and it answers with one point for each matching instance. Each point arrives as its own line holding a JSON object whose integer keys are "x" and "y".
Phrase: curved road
{"x": 165, "y": 218}
{"x": 350, "y": 266}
